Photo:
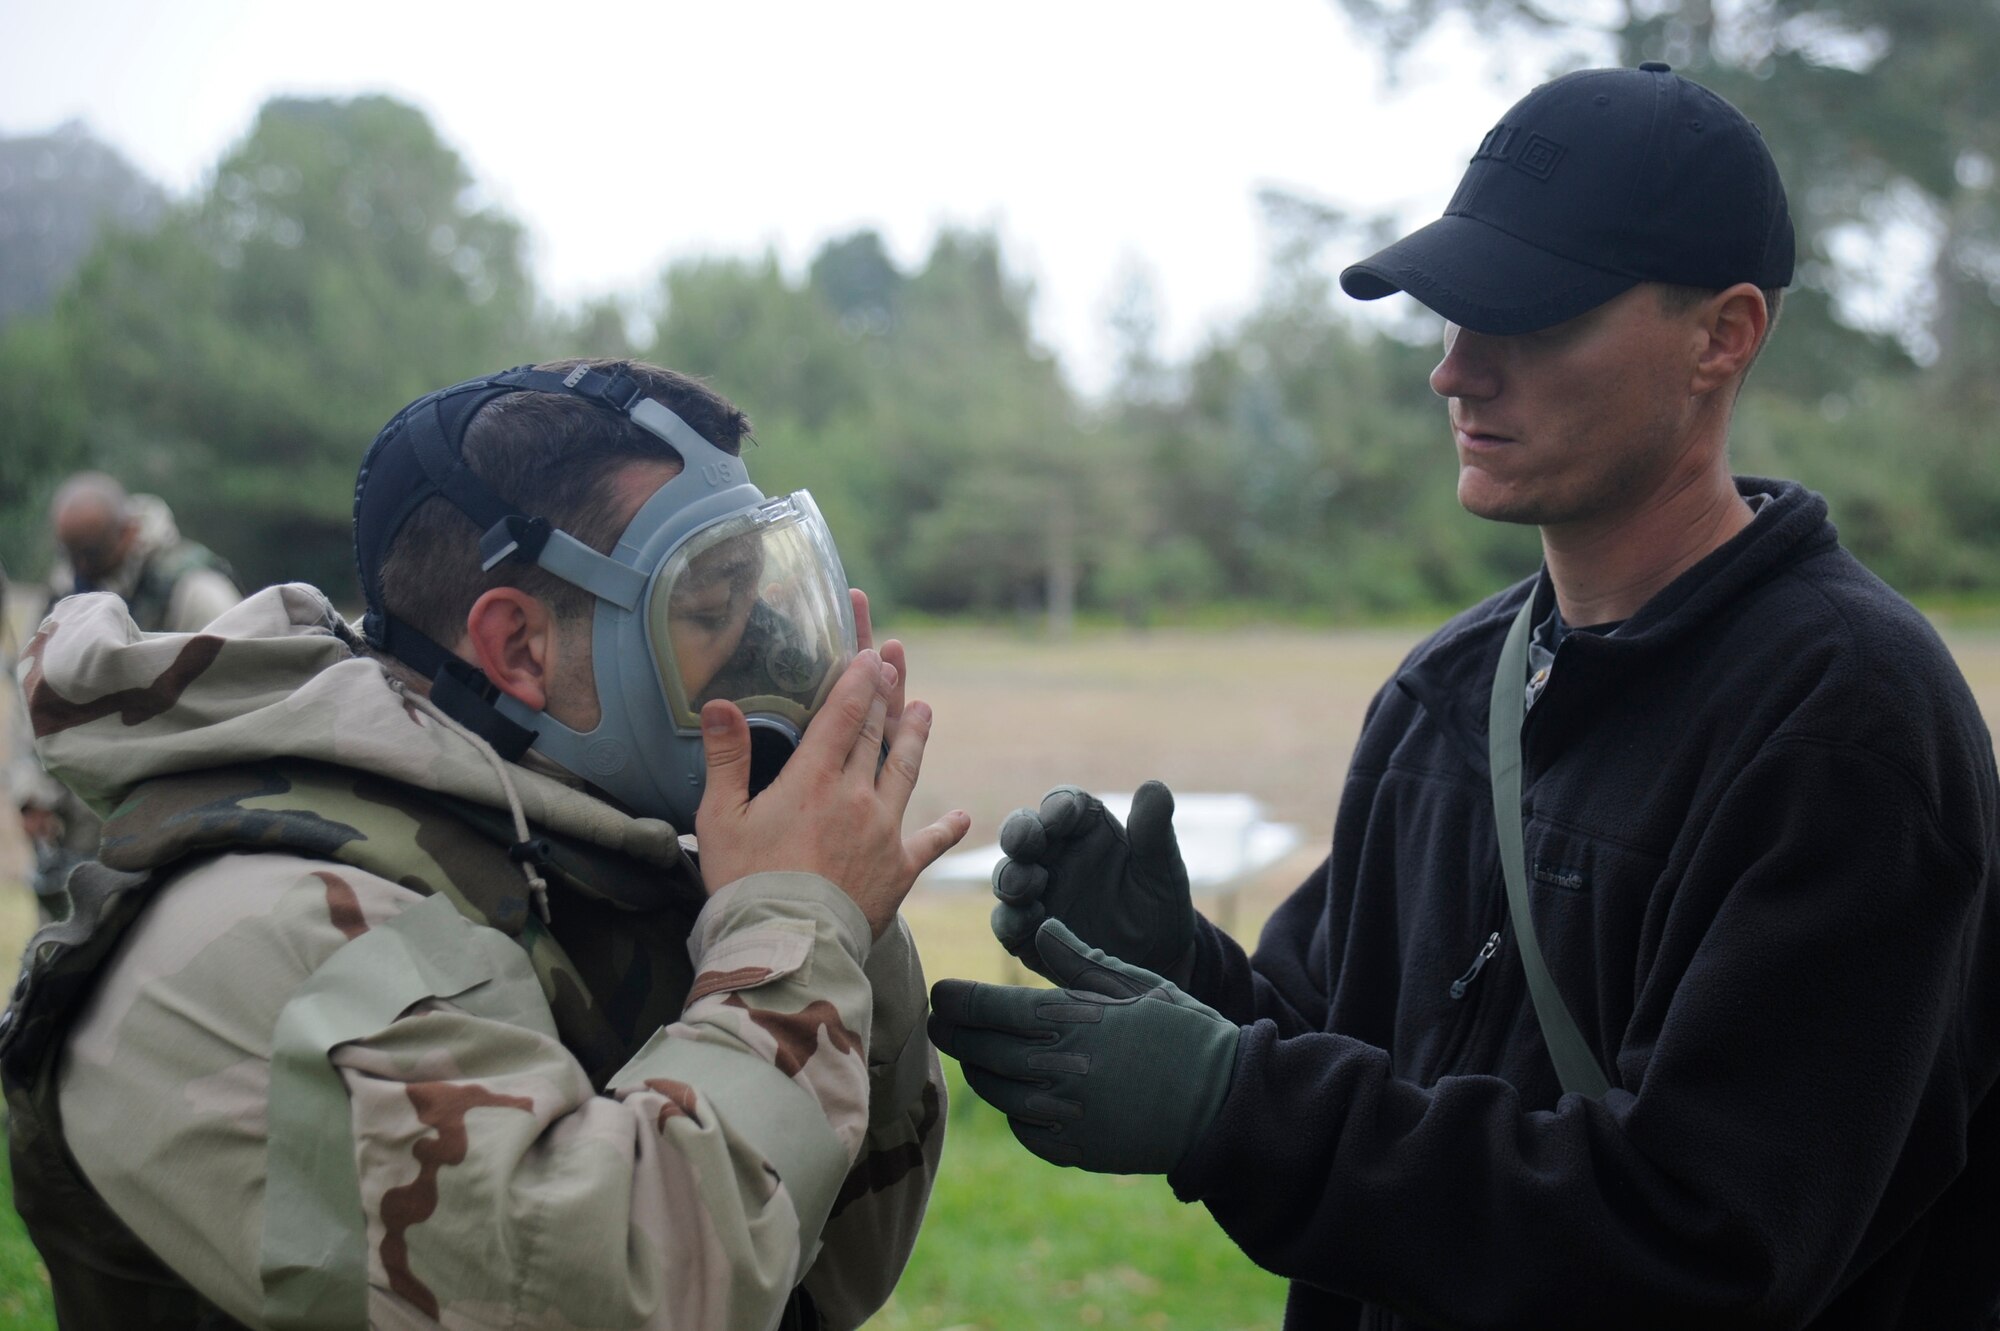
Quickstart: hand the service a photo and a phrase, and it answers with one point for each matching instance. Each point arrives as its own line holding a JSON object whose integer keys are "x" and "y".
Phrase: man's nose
{"x": 1469, "y": 368}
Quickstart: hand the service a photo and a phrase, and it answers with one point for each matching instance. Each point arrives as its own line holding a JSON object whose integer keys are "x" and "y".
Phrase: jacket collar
{"x": 1452, "y": 674}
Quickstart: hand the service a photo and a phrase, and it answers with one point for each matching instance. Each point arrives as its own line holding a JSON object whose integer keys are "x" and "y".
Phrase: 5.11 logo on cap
{"x": 1535, "y": 155}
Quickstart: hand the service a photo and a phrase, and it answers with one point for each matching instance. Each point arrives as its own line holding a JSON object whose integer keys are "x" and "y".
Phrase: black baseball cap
{"x": 1589, "y": 185}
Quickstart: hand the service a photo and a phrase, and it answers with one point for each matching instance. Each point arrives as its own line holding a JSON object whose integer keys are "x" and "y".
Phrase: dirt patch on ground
{"x": 1270, "y": 713}
{"x": 1273, "y": 714}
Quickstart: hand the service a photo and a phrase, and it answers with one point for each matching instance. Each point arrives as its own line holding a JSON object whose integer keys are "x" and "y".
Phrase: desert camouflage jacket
{"x": 659, "y": 1109}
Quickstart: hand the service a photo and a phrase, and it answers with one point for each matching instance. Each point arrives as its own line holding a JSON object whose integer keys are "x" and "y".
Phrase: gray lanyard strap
{"x": 1576, "y": 1066}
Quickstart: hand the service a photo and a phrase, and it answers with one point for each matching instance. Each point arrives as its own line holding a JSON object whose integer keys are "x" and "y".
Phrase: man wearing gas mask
{"x": 396, "y": 999}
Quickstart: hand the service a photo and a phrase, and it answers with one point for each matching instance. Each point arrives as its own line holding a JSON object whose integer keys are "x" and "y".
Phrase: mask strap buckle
{"x": 514, "y": 536}
{"x": 464, "y": 693}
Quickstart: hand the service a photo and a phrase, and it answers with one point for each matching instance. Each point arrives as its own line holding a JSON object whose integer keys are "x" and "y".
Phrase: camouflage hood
{"x": 278, "y": 678}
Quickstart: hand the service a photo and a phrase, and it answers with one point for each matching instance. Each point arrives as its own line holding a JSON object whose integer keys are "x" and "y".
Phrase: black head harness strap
{"x": 419, "y": 454}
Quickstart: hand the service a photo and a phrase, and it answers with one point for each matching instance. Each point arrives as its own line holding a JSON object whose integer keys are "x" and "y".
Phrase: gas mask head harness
{"x": 712, "y": 591}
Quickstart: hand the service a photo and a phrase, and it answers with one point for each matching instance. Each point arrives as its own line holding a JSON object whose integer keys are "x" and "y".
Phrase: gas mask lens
{"x": 753, "y": 609}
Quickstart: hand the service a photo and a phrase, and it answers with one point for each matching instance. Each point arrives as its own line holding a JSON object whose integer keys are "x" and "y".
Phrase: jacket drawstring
{"x": 538, "y": 886}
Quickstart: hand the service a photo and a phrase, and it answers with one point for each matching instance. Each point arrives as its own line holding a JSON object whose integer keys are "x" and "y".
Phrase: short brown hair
{"x": 552, "y": 456}
{"x": 1680, "y": 299}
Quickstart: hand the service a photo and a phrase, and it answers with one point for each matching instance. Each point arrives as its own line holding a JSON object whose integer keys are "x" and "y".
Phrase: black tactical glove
{"x": 1124, "y": 892}
{"x": 1117, "y": 1071}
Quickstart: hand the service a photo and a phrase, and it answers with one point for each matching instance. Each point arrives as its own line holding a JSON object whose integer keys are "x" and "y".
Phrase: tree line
{"x": 237, "y": 354}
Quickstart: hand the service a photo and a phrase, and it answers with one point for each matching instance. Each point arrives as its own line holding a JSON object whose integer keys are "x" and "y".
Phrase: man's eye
{"x": 707, "y": 621}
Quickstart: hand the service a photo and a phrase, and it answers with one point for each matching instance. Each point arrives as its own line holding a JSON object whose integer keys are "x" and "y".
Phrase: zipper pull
{"x": 1463, "y": 982}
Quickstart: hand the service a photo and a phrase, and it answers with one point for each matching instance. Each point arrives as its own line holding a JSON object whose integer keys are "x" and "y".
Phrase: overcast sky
{"x": 1099, "y": 138}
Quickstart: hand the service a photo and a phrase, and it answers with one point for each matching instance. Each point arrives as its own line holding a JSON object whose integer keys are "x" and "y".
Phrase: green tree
{"x": 1884, "y": 117}
{"x": 1309, "y": 459}
{"x": 777, "y": 351}
{"x": 239, "y": 358}
{"x": 944, "y": 446}
{"x": 767, "y": 343}
{"x": 44, "y": 433}
{"x": 1012, "y": 502}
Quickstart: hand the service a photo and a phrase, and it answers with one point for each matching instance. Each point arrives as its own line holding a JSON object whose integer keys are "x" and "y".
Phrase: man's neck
{"x": 1605, "y": 570}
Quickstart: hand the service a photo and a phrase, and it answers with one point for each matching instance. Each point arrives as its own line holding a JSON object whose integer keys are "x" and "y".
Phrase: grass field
{"x": 1010, "y": 1242}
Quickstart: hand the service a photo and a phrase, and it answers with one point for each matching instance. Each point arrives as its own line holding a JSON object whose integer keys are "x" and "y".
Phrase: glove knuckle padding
{"x": 1051, "y": 1108}
{"x": 1022, "y": 836}
{"x": 1014, "y": 924}
{"x": 1078, "y": 1010}
{"x": 1124, "y": 889}
{"x": 1019, "y": 882}
{"x": 1063, "y": 808}
{"x": 1075, "y": 1065}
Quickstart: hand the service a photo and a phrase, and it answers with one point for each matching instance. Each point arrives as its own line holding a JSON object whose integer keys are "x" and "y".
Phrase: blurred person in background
{"x": 1653, "y": 978}
{"x": 111, "y": 541}
{"x": 396, "y": 997}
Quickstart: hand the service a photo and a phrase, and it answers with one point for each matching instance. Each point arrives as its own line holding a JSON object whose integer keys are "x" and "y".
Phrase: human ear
{"x": 1732, "y": 325}
{"x": 510, "y": 635}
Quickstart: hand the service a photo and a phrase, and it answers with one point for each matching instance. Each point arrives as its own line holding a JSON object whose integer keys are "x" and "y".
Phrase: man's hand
{"x": 892, "y": 652}
{"x": 1070, "y": 860}
{"x": 831, "y": 811}
{"x": 1117, "y": 1071}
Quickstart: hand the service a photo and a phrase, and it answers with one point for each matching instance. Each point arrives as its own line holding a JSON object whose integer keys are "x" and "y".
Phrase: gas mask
{"x": 713, "y": 591}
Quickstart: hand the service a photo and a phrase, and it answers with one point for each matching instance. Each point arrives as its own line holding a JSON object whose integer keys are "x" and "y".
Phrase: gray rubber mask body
{"x": 713, "y": 591}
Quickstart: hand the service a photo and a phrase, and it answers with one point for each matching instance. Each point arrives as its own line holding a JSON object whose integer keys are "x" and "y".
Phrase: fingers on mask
{"x": 725, "y": 739}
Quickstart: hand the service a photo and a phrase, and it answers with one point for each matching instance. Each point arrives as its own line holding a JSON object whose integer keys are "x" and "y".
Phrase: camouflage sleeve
{"x": 873, "y": 1227}
{"x": 691, "y": 1196}
{"x": 495, "y": 1187}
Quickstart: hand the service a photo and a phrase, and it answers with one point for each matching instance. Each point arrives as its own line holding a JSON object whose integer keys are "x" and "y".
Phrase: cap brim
{"x": 1483, "y": 279}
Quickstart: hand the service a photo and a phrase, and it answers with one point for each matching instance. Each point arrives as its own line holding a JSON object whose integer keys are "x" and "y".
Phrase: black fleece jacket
{"x": 1761, "y": 835}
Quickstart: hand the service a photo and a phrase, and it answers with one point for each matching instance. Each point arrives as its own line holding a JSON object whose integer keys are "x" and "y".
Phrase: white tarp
{"x": 1223, "y": 839}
